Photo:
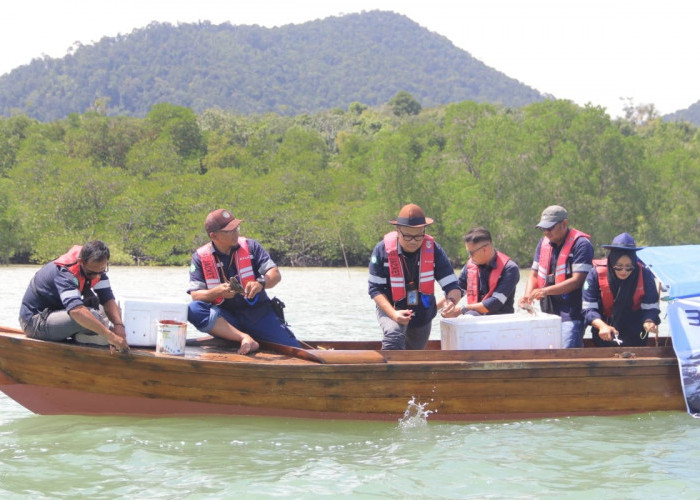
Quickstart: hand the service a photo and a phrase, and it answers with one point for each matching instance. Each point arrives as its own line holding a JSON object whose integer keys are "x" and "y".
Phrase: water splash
{"x": 415, "y": 415}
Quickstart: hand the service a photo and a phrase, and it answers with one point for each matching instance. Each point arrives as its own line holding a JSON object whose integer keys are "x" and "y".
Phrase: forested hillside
{"x": 691, "y": 115}
{"x": 317, "y": 188}
{"x": 289, "y": 70}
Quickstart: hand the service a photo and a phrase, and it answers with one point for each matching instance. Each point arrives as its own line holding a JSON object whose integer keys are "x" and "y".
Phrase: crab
{"x": 235, "y": 285}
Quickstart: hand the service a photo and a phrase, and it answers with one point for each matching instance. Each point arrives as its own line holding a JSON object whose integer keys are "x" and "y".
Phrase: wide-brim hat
{"x": 221, "y": 220}
{"x": 551, "y": 216}
{"x": 623, "y": 241}
{"x": 411, "y": 215}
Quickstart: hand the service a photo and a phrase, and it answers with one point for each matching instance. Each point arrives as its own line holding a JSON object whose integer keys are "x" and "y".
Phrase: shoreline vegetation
{"x": 319, "y": 189}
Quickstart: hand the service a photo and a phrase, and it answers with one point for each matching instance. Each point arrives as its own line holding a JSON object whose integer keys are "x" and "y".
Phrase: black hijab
{"x": 622, "y": 290}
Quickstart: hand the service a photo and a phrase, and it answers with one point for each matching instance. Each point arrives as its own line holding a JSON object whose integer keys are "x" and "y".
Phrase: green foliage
{"x": 319, "y": 189}
{"x": 336, "y": 62}
{"x": 403, "y": 104}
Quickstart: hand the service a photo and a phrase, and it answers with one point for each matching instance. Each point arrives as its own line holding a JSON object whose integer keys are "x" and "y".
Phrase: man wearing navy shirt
{"x": 488, "y": 279}
{"x": 63, "y": 300}
{"x": 562, "y": 260}
{"x": 228, "y": 279}
{"x": 402, "y": 273}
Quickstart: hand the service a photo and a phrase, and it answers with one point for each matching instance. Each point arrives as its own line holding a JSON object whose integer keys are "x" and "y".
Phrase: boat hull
{"x": 343, "y": 383}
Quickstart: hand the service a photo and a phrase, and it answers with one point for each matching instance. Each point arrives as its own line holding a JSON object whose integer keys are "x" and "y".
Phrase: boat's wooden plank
{"x": 454, "y": 384}
{"x": 333, "y": 383}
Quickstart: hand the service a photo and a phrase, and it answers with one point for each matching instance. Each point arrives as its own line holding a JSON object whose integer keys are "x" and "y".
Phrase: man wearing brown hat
{"x": 402, "y": 273}
{"x": 228, "y": 279}
{"x": 563, "y": 258}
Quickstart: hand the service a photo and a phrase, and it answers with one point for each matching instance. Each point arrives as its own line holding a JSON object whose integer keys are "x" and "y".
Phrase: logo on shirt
{"x": 586, "y": 286}
{"x": 192, "y": 267}
{"x": 374, "y": 259}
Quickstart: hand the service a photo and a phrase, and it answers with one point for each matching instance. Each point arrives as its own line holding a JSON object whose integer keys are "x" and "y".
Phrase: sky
{"x": 607, "y": 53}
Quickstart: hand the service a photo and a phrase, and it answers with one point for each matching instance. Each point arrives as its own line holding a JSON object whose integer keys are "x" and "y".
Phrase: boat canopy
{"x": 677, "y": 267}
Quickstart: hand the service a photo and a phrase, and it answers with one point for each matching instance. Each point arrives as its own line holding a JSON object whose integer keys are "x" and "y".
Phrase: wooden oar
{"x": 295, "y": 352}
{"x": 7, "y": 329}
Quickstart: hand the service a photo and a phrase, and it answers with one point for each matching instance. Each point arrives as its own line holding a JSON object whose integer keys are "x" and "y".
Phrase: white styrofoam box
{"x": 501, "y": 331}
{"x": 141, "y": 317}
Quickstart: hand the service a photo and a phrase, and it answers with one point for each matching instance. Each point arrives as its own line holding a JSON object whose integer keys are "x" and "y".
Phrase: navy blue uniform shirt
{"x": 379, "y": 280}
{"x": 580, "y": 260}
{"x": 55, "y": 288}
{"x": 501, "y": 302}
{"x": 260, "y": 260}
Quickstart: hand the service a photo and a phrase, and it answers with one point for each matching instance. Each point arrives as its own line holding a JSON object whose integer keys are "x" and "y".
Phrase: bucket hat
{"x": 623, "y": 241}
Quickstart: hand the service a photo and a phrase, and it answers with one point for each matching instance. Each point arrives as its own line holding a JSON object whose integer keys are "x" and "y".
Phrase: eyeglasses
{"x": 412, "y": 237}
{"x": 476, "y": 250}
{"x": 627, "y": 269}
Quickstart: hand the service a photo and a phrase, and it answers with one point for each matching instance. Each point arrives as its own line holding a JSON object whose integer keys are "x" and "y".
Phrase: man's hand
{"x": 253, "y": 288}
{"x": 403, "y": 316}
{"x": 117, "y": 343}
{"x": 607, "y": 333}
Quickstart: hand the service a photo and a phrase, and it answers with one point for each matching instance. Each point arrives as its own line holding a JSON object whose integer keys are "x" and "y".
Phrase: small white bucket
{"x": 171, "y": 337}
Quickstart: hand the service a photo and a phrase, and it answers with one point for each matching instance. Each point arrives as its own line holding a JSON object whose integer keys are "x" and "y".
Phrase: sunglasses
{"x": 627, "y": 269}
{"x": 92, "y": 274}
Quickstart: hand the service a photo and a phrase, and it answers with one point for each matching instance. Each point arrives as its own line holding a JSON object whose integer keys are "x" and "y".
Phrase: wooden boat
{"x": 351, "y": 380}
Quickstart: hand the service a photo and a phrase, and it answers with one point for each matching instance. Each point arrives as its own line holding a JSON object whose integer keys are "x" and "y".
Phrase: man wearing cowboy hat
{"x": 563, "y": 258}
{"x": 228, "y": 279}
{"x": 403, "y": 269}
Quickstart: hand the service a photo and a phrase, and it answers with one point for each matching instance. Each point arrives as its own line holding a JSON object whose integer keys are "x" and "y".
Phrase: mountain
{"x": 691, "y": 114}
{"x": 292, "y": 69}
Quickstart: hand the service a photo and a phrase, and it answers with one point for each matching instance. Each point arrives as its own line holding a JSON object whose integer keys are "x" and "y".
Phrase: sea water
{"x": 649, "y": 455}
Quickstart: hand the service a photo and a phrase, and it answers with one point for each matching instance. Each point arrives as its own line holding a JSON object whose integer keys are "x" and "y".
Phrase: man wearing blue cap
{"x": 402, "y": 273}
{"x": 620, "y": 299}
{"x": 563, "y": 258}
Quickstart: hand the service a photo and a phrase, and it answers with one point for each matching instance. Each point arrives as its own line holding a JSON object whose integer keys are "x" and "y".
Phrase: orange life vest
{"x": 426, "y": 280}
{"x": 546, "y": 252}
{"x": 473, "y": 278}
{"x": 213, "y": 278}
{"x": 606, "y": 296}
{"x": 69, "y": 260}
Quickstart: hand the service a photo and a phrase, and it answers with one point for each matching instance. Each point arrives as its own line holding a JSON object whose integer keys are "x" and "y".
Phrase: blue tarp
{"x": 684, "y": 315}
{"x": 677, "y": 267}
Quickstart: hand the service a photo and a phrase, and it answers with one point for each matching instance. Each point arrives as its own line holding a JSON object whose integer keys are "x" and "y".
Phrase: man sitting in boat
{"x": 402, "y": 273}
{"x": 563, "y": 258}
{"x": 620, "y": 299}
{"x": 228, "y": 278}
{"x": 63, "y": 300}
{"x": 488, "y": 278}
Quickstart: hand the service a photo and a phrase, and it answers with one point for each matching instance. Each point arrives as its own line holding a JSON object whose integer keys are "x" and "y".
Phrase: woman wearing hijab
{"x": 620, "y": 299}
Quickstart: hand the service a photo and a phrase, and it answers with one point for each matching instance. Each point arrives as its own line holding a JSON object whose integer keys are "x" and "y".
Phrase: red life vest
{"x": 69, "y": 260}
{"x": 426, "y": 280}
{"x": 473, "y": 278}
{"x": 546, "y": 251}
{"x": 606, "y": 296}
{"x": 212, "y": 277}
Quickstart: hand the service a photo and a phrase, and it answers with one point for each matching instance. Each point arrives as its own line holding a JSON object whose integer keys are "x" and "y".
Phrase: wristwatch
{"x": 261, "y": 280}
